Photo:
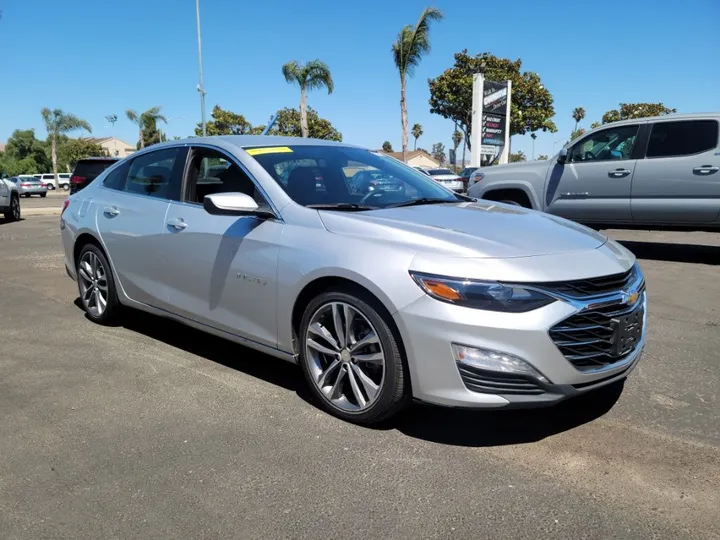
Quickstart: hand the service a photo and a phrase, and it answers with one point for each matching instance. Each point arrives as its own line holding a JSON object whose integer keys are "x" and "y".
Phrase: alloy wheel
{"x": 93, "y": 284}
{"x": 15, "y": 208}
{"x": 345, "y": 357}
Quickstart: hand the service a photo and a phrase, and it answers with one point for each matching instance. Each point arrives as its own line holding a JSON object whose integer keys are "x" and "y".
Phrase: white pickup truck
{"x": 9, "y": 200}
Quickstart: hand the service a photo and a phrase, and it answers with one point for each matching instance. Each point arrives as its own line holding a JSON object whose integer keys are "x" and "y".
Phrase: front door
{"x": 594, "y": 184}
{"x": 4, "y": 193}
{"x": 131, "y": 217}
{"x": 224, "y": 268}
{"x": 678, "y": 182}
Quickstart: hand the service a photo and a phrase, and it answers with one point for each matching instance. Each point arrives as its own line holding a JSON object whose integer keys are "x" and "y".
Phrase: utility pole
{"x": 200, "y": 87}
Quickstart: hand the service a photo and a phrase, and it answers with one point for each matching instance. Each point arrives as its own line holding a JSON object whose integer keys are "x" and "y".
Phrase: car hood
{"x": 482, "y": 229}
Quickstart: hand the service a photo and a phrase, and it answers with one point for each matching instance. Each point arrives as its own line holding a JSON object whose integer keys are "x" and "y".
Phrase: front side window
{"x": 683, "y": 138}
{"x": 211, "y": 172}
{"x": 346, "y": 176}
{"x": 611, "y": 144}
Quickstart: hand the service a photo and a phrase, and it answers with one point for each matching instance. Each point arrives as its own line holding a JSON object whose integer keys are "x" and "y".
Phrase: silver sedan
{"x": 29, "y": 185}
{"x": 382, "y": 297}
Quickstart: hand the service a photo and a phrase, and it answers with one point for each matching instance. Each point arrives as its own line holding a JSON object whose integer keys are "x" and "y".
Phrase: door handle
{"x": 706, "y": 169}
{"x": 111, "y": 211}
{"x": 619, "y": 173}
{"x": 177, "y": 224}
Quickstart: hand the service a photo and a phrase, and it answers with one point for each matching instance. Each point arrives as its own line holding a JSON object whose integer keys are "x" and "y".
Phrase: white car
{"x": 48, "y": 180}
{"x": 448, "y": 179}
{"x": 9, "y": 200}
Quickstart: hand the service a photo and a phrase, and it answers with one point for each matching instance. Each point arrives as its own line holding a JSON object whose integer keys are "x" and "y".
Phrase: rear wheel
{"x": 351, "y": 359}
{"x": 13, "y": 211}
{"x": 96, "y": 285}
{"x": 66, "y": 187}
{"x": 43, "y": 194}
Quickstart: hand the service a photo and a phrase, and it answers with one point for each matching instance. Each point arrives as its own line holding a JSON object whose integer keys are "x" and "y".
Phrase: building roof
{"x": 411, "y": 154}
{"x": 100, "y": 140}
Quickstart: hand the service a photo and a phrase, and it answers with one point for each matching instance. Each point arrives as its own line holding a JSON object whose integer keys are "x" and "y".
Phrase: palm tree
{"x": 152, "y": 114}
{"x": 578, "y": 114}
{"x": 58, "y": 122}
{"x": 412, "y": 43}
{"x": 533, "y": 136}
{"x": 313, "y": 75}
{"x": 417, "y": 131}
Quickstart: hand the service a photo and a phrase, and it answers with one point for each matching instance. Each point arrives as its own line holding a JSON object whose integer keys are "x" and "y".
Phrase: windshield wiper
{"x": 342, "y": 206}
{"x": 423, "y": 200}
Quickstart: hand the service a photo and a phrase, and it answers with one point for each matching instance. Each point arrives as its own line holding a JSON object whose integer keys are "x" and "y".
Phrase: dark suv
{"x": 87, "y": 169}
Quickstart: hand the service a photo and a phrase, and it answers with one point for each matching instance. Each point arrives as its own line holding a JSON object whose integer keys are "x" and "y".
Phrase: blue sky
{"x": 95, "y": 58}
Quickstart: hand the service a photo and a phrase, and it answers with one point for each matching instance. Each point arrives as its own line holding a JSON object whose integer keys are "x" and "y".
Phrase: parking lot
{"x": 154, "y": 430}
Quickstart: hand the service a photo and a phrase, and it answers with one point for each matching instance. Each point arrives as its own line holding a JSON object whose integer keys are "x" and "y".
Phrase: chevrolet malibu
{"x": 381, "y": 297}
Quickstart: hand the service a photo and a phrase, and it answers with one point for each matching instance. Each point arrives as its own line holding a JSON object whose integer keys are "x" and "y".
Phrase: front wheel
{"x": 13, "y": 213}
{"x": 351, "y": 358}
{"x": 96, "y": 285}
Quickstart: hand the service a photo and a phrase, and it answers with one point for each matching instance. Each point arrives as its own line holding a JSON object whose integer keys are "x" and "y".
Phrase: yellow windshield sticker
{"x": 273, "y": 150}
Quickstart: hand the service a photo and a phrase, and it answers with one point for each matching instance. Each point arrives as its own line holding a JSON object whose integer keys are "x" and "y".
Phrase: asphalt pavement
{"x": 154, "y": 430}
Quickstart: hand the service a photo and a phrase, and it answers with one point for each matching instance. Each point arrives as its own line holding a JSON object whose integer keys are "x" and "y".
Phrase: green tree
{"x": 595, "y": 125}
{"x": 412, "y": 43}
{"x": 517, "y": 157}
{"x": 313, "y": 75}
{"x": 438, "y": 152}
{"x": 387, "y": 147}
{"x": 289, "y": 124}
{"x": 542, "y": 157}
{"x": 225, "y": 122}
{"x": 636, "y": 110}
{"x": 73, "y": 150}
{"x": 417, "y": 131}
{"x": 58, "y": 122}
{"x": 578, "y": 115}
{"x": 576, "y": 133}
{"x": 23, "y": 146}
{"x": 531, "y": 103}
{"x": 457, "y": 138}
{"x": 146, "y": 123}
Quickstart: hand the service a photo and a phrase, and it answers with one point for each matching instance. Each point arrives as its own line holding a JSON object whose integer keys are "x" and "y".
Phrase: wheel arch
{"x": 492, "y": 191}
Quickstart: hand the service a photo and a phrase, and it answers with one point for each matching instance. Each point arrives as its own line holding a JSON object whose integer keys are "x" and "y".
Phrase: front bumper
{"x": 429, "y": 329}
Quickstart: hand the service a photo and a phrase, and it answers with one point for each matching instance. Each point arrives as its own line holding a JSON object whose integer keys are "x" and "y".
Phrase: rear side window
{"x": 684, "y": 138}
{"x": 149, "y": 174}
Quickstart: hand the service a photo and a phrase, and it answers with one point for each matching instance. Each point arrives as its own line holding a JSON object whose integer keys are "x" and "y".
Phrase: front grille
{"x": 588, "y": 288}
{"x": 495, "y": 382}
{"x": 587, "y": 337}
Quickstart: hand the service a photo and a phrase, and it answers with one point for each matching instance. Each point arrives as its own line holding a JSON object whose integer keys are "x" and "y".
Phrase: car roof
{"x": 666, "y": 117}
{"x": 100, "y": 158}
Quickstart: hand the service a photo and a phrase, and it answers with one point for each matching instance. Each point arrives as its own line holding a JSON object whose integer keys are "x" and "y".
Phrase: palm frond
{"x": 153, "y": 114}
{"x": 318, "y": 75}
{"x": 132, "y": 116}
{"x": 414, "y": 42}
{"x": 291, "y": 72}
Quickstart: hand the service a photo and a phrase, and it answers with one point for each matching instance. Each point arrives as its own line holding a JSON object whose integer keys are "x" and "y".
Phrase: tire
{"x": 91, "y": 279}
{"x": 43, "y": 194}
{"x": 385, "y": 390}
{"x": 66, "y": 187}
{"x": 514, "y": 203}
{"x": 13, "y": 211}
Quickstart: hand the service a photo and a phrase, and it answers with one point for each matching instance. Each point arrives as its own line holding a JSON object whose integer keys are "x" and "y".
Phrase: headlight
{"x": 490, "y": 296}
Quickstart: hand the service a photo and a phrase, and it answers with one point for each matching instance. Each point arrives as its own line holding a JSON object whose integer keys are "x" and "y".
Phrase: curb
{"x": 30, "y": 212}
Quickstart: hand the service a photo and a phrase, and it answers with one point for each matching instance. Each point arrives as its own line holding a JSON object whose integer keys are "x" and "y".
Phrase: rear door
{"x": 678, "y": 182}
{"x": 4, "y": 193}
{"x": 594, "y": 185}
{"x": 131, "y": 220}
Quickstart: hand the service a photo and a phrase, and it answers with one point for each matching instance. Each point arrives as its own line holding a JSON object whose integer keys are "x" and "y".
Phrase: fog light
{"x": 495, "y": 361}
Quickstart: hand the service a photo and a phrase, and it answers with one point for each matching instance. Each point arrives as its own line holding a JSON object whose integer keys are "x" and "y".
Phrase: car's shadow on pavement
{"x": 456, "y": 427}
{"x": 685, "y": 253}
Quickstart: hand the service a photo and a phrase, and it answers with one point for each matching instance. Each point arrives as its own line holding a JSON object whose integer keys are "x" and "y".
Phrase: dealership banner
{"x": 495, "y": 96}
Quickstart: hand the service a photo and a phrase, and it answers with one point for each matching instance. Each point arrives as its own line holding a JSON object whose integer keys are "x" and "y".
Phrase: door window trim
{"x": 633, "y": 154}
{"x": 234, "y": 161}
{"x": 675, "y": 121}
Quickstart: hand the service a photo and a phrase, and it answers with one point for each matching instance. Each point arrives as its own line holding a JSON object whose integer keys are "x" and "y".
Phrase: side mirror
{"x": 233, "y": 204}
{"x": 562, "y": 156}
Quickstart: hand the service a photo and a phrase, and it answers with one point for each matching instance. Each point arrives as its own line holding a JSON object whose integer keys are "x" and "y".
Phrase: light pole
{"x": 200, "y": 87}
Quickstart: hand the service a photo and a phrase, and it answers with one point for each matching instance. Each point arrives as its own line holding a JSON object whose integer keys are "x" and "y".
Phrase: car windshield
{"x": 346, "y": 177}
{"x": 437, "y": 172}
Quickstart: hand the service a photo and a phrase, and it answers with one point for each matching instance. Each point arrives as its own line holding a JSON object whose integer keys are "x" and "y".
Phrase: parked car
{"x": 9, "y": 200}
{"x": 48, "y": 180}
{"x": 465, "y": 175}
{"x": 381, "y": 298}
{"x": 87, "y": 169}
{"x": 28, "y": 185}
{"x": 448, "y": 179}
{"x": 648, "y": 172}
{"x": 363, "y": 182}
